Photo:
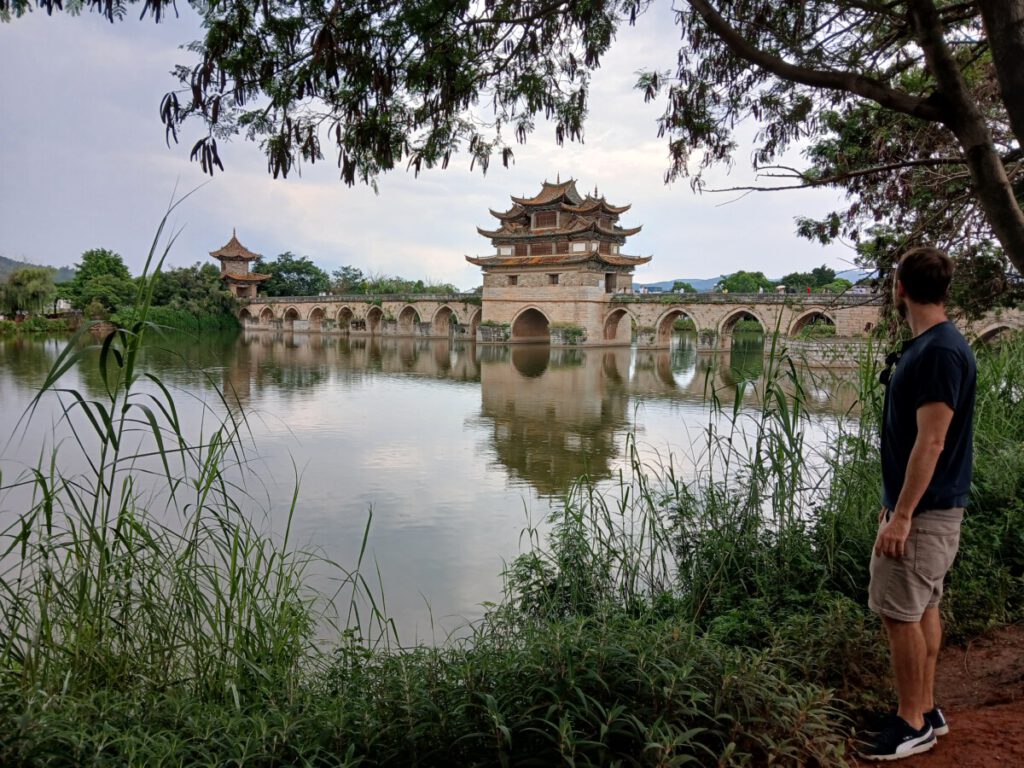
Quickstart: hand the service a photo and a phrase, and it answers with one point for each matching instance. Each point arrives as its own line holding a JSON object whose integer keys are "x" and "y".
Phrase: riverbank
{"x": 719, "y": 619}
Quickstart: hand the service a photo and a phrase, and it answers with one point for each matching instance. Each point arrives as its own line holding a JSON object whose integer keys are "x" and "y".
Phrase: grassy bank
{"x": 716, "y": 620}
{"x": 35, "y": 324}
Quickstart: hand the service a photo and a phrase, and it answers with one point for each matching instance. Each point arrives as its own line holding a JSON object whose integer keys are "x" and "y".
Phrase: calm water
{"x": 455, "y": 447}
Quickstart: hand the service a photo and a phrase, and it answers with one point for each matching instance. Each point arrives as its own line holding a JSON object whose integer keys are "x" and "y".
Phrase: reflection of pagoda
{"x": 558, "y": 261}
{"x": 559, "y": 228}
{"x": 234, "y": 268}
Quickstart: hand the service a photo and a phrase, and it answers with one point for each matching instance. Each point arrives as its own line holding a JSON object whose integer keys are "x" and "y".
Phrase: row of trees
{"x": 28, "y": 289}
{"x": 819, "y": 280}
{"x": 292, "y": 275}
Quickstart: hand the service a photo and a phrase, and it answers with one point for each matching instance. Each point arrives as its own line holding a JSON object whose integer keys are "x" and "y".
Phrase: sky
{"x": 84, "y": 164}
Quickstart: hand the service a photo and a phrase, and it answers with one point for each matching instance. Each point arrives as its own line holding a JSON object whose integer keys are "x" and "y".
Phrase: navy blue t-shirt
{"x": 935, "y": 367}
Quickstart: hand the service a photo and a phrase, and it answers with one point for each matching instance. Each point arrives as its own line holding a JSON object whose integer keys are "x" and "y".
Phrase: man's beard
{"x": 901, "y": 308}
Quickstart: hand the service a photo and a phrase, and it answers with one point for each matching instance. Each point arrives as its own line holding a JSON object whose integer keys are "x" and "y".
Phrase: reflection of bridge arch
{"x": 993, "y": 333}
{"x": 664, "y": 329}
{"x": 531, "y": 325}
{"x": 290, "y": 316}
{"x": 811, "y": 316}
{"x": 266, "y": 316}
{"x": 444, "y": 321}
{"x": 316, "y": 318}
{"x": 345, "y": 315}
{"x": 373, "y": 319}
{"x": 408, "y": 319}
{"x": 728, "y": 322}
{"x": 615, "y": 329}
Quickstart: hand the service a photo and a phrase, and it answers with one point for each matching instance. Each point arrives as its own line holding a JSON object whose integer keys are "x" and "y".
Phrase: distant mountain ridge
{"x": 704, "y": 284}
{"x": 10, "y": 265}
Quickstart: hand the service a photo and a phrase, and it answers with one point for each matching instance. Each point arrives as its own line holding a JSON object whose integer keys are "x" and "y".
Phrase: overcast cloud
{"x": 83, "y": 164}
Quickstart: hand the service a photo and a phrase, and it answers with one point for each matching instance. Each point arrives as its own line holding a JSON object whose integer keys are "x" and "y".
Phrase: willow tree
{"x": 412, "y": 83}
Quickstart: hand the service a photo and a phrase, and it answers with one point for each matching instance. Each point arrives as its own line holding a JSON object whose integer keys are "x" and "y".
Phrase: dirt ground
{"x": 980, "y": 688}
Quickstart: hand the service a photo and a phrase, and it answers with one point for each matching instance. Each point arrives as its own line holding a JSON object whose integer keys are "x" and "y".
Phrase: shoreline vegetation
{"x": 720, "y": 621}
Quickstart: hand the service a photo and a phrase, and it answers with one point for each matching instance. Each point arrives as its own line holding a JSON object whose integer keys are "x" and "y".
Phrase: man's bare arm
{"x": 933, "y": 421}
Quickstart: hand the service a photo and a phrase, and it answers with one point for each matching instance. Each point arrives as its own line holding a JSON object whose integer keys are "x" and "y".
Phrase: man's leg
{"x": 931, "y": 626}
{"x": 909, "y": 660}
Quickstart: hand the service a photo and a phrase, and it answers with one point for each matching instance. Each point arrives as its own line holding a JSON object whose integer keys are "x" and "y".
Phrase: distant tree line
{"x": 820, "y": 280}
{"x": 292, "y": 275}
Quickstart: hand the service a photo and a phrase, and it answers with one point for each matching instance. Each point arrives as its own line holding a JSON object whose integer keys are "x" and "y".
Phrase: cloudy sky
{"x": 83, "y": 164}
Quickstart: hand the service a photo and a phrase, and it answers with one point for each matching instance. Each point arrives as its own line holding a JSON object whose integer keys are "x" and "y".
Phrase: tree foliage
{"x": 197, "y": 289}
{"x": 681, "y": 286}
{"x": 101, "y": 278}
{"x": 745, "y": 282}
{"x": 929, "y": 94}
{"x": 291, "y": 275}
{"x": 28, "y": 289}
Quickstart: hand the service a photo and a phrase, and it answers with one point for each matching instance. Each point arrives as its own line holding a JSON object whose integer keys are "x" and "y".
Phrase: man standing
{"x": 926, "y": 475}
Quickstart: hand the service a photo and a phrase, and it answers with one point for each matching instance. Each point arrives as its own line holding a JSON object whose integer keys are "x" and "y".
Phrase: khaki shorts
{"x": 902, "y": 588}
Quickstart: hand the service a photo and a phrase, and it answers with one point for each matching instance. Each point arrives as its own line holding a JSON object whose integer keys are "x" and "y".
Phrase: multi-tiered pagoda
{"x": 558, "y": 262}
{"x": 560, "y": 229}
{"x": 234, "y": 268}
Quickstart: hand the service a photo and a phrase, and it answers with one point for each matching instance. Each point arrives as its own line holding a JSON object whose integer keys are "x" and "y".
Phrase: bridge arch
{"x": 993, "y": 333}
{"x": 811, "y": 316}
{"x": 664, "y": 325}
{"x": 316, "y": 318}
{"x": 408, "y": 319}
{"x": 344, "y": 318}
{"x": 373, "y": 319}
{"x": 245, "y": 317}
{"x": 474, "y": 322}
{"x": 728, "y": 322}
{"x": 444, "y": 321}
{"x": 266, "y": 316}
{"x": 531, "y": 325}
{"x": 290, "y": 316}
{"x": 615, "y": 329}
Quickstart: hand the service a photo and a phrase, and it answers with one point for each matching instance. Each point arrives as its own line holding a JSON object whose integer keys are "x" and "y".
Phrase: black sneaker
{"x": 899, "y": 741}
{"x": 937, "y": 721}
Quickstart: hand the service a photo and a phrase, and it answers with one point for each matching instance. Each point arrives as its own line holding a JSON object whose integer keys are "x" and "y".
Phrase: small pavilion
{"x": 234, "y": 268}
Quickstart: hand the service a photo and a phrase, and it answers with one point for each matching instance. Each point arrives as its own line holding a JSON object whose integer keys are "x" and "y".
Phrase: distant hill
{"x": 10, "y": 265}
{"x": 708, "y": 283}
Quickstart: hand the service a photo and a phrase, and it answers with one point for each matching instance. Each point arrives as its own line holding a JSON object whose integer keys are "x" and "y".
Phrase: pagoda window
{"x": 604, "y": 247}
{"x": 522, "y": 249}
{"x": 541, "y": 249}
{"x": 545, "y": 219}
{"x": 505, "y": 250}
{"x": 580, "y": 247}
{"x": 609, "y": 282}
{"x": 513, "y": 280}
{"x": 562, "y": 246}
{"x": 553, "y": 279}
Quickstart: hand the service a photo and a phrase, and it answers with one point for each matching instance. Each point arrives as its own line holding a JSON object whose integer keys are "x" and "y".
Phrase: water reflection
{"x": 447, "y": 441}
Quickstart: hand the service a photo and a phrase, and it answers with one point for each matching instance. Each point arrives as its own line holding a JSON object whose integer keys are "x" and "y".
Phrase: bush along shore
{"x": 712, "y": 620}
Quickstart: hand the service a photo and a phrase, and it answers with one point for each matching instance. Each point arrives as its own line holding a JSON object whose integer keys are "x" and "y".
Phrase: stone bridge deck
{"x": 650, "y": 318}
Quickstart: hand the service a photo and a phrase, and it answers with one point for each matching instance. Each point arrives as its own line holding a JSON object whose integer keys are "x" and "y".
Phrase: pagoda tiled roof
{"x": 234, "y": 251}
{"x": 249, "y": 277}
{"x": 558, "y": 260}
{"x": 596, "y": 203}
{"x": 577, "y": 227}
{"x": 551, "y": 193}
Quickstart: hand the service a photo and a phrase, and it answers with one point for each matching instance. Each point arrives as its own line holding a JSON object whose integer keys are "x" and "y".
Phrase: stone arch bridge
{"x": 614, "y": 321}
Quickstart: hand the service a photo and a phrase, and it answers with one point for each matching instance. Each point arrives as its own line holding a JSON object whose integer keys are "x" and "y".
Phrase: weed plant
{"x": 717, "y": 620}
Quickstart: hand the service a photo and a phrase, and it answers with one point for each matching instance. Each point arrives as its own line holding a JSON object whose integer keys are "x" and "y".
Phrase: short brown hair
{"x": 926, "y": 274}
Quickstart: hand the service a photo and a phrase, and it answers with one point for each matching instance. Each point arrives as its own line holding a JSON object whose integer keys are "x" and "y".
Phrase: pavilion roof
{"x": 234, "y": 251}
{"x": 561, "y": 259}
{"x": 577, "y": 227}
{"x": 551, "y": 193}
{"x": 249, "y": 277}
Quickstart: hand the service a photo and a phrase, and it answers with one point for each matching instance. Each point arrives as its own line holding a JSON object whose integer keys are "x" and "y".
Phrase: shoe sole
{"x": 942, "y": 730}
{"x": 915, "y": 750}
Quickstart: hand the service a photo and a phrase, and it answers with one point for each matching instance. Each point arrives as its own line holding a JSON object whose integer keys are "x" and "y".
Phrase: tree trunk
{"x": 1004, "y": 26}
{"x": 962, "y": 116}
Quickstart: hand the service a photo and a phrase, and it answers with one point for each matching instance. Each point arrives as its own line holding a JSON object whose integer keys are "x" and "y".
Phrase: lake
{"x": 455, "y": 447}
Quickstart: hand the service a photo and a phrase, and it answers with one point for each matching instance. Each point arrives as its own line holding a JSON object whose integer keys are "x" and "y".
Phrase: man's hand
{"x": 892, "y": 537}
